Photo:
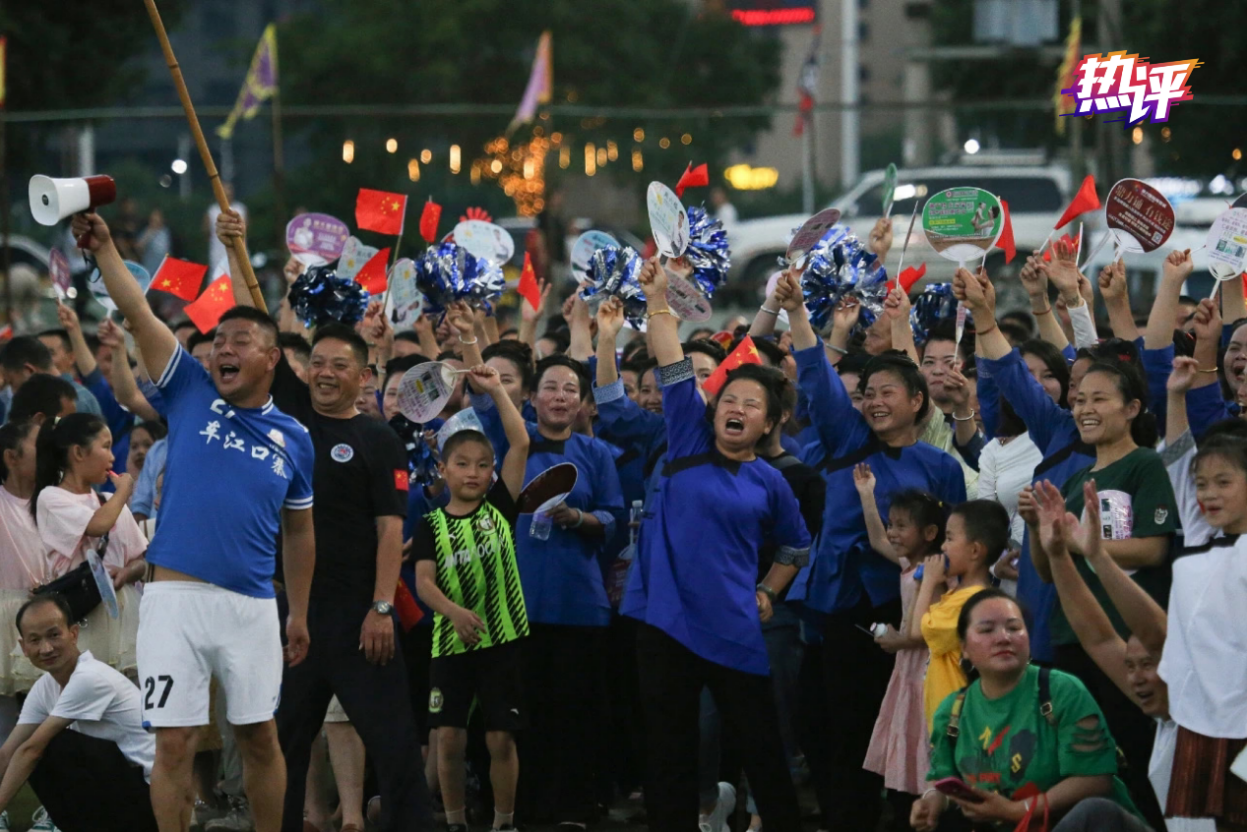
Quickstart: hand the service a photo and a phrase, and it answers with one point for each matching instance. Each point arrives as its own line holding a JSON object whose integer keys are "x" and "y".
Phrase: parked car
{"x": 1036, "y": 195}
{"x": 33, "y": 294}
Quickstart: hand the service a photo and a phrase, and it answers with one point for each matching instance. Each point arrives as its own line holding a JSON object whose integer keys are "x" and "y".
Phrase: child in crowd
{"x": 1204, "y": 657}
{"x": 73, "y": 456}
{"x": 899, "y": 748}
{"x": 976, "y": 535}
{"x": 466, "y": 571}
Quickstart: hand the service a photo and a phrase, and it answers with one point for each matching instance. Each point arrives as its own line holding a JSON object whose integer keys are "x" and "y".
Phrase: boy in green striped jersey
{"x": 466, "y": 572}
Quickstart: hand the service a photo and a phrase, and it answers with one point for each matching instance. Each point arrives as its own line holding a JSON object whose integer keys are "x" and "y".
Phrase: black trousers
{"x": 1133, "y": 730}
{"x": 417, "y": 654}
{"x": 565, "y": 722}
{"x": 855, "y": 677}
{"x": 374, "y": 696}
{"x": 88, "y": 785}
{"x": 672, "y": 678}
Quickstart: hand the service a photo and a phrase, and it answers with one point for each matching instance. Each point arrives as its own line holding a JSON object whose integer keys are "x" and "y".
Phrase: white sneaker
{"x": 716, "y": 821}
{"x": 238, "y": 819}
{"x": 4, "y": 821}
{"x": 39, "y": 821}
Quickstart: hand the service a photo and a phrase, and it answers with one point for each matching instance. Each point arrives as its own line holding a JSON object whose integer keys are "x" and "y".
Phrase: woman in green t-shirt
{"x": 1026, "y": 741}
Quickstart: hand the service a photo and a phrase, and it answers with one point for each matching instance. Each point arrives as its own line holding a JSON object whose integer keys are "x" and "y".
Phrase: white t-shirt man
{"x": 103, "y": 704}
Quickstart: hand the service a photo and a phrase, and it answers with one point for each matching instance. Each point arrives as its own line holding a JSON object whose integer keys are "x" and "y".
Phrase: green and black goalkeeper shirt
{"x": 476, "y": 569}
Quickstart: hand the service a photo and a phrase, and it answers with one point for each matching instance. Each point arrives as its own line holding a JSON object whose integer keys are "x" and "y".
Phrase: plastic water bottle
{"x": 541, "y": 526}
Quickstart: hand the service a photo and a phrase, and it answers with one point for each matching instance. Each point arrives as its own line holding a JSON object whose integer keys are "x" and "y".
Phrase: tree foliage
{"x": 641, "y": 53}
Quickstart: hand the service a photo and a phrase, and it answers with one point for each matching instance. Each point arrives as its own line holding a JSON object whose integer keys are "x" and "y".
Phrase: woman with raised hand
{"x": 848, "y": 582}
{"x": 694, "y": 584}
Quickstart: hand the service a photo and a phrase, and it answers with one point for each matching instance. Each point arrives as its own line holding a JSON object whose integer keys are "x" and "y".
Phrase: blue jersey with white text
{"x": 230, "y": 472}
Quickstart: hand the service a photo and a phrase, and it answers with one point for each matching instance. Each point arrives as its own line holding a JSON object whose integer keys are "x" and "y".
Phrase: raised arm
{"x": 84, "y": 361}
{"x": 125, "y": 385}
{"x": 529, "y": 316}
{"x": 1117, "y": 302}
{"x": 230, "y": 226}
{"x": 664, "y": 327}
{"x": 154, "y": 338}
{"x": 1185, "y": 371}
{"x": 1087, "y": 618}
{"x": 460, "y": 316}
{"x": 576, "y": 311}
{"x": 1064, "y": 274}
{"x": 610, "y": 320}
{"x": 765, "y": 319}
{"x": 839, "y": 426}
{"x": 106, "y": 516}
{"x": 487, "y": 380}
{"x": 1145, "y": 618}
{"x": 864, "y": 479}
{"x": 1035, "y": 278}
{"x": 423, "y": 327}
{"x": 896, "y": 309}
{"x": 1164, "y": 317}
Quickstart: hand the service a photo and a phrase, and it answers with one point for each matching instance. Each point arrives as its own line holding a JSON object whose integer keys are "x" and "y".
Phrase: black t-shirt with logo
{"x": 360, "y": 474}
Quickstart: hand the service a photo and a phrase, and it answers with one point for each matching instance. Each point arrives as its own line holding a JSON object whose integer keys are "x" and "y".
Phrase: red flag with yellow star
{"x": 528, "y": 288}
{"x": 217, "y": 299}
{"x": 372, "y": 276}
{"x": 180, "y": 278}
{"x": 745, "y": 353}
{"x": 380, "y": 211}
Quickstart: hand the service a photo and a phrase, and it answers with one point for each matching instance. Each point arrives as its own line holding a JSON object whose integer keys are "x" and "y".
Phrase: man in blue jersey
{"x": 236, "y": 467}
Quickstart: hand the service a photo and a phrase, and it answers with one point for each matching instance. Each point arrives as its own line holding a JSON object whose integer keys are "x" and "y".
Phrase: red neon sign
{"x": 774, "y": 17}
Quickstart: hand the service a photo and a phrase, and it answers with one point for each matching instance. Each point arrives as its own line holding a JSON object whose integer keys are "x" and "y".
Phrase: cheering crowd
{"x": 931, "y": 574}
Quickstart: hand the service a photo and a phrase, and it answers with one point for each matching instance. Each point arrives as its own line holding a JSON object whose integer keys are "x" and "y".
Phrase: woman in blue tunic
{"x": 694, "y": 584}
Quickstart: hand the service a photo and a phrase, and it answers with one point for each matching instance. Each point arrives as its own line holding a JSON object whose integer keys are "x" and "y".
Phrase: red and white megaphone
{"x": 52, "y": 200}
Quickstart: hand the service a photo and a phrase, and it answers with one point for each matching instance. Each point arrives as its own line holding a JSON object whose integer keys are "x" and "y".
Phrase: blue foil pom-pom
{"x": 935, "y": 304}
{"x": 446, "y": 273}
{"x": 320, "y": 296}
{"x": 839, "y": 267}
{"x": 613, "y": 272}
{"x": 707, "y": 251}
{"x": 421, "y": 461}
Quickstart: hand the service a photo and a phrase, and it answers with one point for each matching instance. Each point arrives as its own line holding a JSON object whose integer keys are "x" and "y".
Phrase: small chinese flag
{"x": 429, "y": 218}
{"x": 1085, "y": 200}
{"x": 217, "y": 299}
{"x": 723, "y": 338}
{"x": 528, "y": 288}
{"x": 402, "y": 480}
{"x": 179, "y": 278}
{"x": 1074, "y": 242}
{"x": 1006, "y": 235}
{"x": 380, "y": 211}
{"x": 372, "y": 275}
{"x": 409, "y": 612}
{"x": 908, "y": 277}
{"x": 745, "y": 353}
{"x": 693, "y": 177}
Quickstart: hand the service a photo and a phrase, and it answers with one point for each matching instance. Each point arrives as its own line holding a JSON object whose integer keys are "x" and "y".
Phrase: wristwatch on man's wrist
{"x": 382, "y": 607}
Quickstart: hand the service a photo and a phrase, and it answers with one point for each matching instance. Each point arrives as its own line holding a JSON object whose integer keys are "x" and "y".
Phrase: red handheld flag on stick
{"x": 1006, "y": 235}
{"x": 1085, "y": 200}
{"x": 528, "y": 288}
{"x": 217, "y": 299}
{"x": 380, "y": 211}
{"x": 908, "y": 277}
{"x": 372, "y": 275}
{"x": 1075, "y": 243}
{"x": 179, "y": 278}
{"x": 429, "y": 218}
{"x": 745, "y": 353}
{"x": 693, "y": 177}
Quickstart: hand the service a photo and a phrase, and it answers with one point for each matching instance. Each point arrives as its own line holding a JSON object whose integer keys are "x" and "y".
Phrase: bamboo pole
{"x": 240, "y": 245}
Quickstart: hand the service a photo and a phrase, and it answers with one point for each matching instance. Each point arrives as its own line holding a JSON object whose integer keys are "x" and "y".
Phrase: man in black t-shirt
{"x": 360, "y": 482}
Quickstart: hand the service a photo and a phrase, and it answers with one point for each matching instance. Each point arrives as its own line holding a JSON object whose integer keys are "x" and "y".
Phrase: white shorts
{"x": 190, "y": 632}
